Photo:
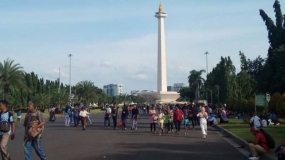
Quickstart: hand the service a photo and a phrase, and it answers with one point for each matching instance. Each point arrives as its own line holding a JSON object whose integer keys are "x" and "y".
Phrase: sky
{"x": 115, "y": 41}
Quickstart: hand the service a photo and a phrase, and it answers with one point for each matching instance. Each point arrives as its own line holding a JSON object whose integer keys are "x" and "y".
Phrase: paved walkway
{"x": 70, "y": 143}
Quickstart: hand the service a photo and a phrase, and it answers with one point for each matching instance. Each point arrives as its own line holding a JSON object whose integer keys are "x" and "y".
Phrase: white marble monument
{"x": 161, "y": 96}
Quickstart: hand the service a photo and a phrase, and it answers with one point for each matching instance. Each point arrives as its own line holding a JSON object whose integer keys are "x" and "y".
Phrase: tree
{"x": 224, "y": 77}
{"x": 86, "y": 91}
{"x": 276, "y": 36}
{"x": 186, "y": 92}
{"x": 11, "y": 77}
{"x": 273, "y": 102}
{"x": 196, "y": 81}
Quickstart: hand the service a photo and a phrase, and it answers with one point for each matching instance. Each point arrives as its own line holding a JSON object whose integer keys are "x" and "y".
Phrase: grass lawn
{"x": 242, "y": 130}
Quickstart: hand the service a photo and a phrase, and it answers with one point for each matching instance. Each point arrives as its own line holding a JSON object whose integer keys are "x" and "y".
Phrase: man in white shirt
{"x": 107, "y": 116}
{"x": 255, "y": 121}
{"x": 83, "y": 114}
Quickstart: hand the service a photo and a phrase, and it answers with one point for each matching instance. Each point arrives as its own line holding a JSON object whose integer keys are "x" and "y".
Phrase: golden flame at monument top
{"x": 160, "y": 9}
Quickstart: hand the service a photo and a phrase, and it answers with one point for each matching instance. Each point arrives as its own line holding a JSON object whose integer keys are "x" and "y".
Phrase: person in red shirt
{"x": 177, "y": 118}
{"x": 259, "y": 145}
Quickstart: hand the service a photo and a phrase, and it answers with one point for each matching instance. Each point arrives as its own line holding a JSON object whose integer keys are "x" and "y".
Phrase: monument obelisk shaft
{"x": 161, "y": 65}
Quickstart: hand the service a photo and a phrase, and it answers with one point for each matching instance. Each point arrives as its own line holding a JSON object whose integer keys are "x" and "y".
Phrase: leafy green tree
{"x": 86, "y": 92}
{"x": 196, "y": 81}
{"x": 271, "y": 74}
{"x": 11, "y": 77}
{"x": 186, "y": 92}
{"x": 274, "y": 99}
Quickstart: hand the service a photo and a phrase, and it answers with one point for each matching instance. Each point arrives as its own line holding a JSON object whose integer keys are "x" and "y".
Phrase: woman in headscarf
{"x": 67, "y": 113}
{"x": 52, "y": 117}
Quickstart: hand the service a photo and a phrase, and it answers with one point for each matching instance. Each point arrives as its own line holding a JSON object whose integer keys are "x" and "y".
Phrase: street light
{"x": 70, "y": 55}
{"x": 207, "y": 73}
{"x": 207, "y": 62}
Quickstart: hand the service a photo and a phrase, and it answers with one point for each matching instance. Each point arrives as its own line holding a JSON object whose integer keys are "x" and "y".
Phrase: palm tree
{"x": 86, "y": 91}
{"x": 196, "y": 81}
{"x": 11, "y": 77}
{"x": 42, "y": 100}
{"x": 60, "y": 98}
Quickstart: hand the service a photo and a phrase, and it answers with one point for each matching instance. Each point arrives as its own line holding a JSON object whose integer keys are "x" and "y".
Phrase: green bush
{"x": 273, "y": 102}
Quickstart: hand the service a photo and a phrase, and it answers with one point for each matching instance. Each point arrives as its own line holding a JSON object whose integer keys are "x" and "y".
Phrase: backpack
{"x": 269, "y": 139}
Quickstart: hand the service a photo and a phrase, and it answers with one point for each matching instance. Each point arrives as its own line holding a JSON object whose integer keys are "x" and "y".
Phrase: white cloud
{"x": 105, "y": 64}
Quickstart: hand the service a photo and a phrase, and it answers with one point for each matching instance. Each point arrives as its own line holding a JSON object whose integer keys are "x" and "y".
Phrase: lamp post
{"x": 207, "y": 73}
{"x": 206, "y": 62}
{"x": 70, "y": 55}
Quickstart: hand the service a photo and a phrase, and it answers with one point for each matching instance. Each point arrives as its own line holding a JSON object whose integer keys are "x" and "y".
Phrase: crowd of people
{"x": 162, "y": 118}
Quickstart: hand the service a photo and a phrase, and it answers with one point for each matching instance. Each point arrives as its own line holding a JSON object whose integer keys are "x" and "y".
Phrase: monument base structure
{"x": 160, "y": 97}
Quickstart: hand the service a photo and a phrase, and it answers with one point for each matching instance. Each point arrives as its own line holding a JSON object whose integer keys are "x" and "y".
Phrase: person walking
{"x": 166, "y": 121}
{"x": 52, "y": 117}
{"x": 83, "y": 115}
{"x": 67, "y": 113}
{"x": 76, "y": 115}
{"x": 203, "y": 121}
{"x": 160, "y": 121}
{"x": 114, "y": 116}
{"x": 107, "y": 116}
{"x": 72, "y": 114}
{"x": 34, "y": 125}
{"x": 191, "y": 116}
{"x": 135, "y": 116}
{"x": 177, "y": 118}
{"x": 19, "y": 116}
{"x": 152, "y": 119}
{"x": 6, "y": 119}
{"x": 124, "y": 117}
{"x": 171, "y": 120}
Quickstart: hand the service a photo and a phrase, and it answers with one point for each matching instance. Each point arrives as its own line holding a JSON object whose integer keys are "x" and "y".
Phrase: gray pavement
{"x": 70, "y": 143}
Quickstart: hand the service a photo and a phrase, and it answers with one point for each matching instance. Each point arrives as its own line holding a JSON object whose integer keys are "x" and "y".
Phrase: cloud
{"x": 128, "y": 53}
{"x": 105, "y": 64}
{"x": 140, "y": 76}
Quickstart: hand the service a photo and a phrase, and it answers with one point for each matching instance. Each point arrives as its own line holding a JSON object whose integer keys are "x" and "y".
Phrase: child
{"x": 280, "y": 151}
{"x": 160, "y": 121}
{"x": 135, "y": 122}
{"x": 19, "y": 116}
{"x": 186, "y": 125}
{"x": 166, "y": 121}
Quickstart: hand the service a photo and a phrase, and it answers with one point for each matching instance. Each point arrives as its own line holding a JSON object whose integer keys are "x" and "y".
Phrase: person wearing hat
{"x": 259, "y": 145}
{"x": 107, "y": 116}
{"x": 280, "y": 151}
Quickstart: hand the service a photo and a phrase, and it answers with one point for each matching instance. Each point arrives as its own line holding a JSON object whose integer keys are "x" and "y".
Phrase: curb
{"x": 241, "y": 142}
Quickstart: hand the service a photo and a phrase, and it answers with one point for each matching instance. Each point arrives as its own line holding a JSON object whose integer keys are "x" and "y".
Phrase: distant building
{"x": 134, "y": 92}
{"x": 170, "y": 88}
{"x": 113, "y": 89}
{"x": 176, "y": 87}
